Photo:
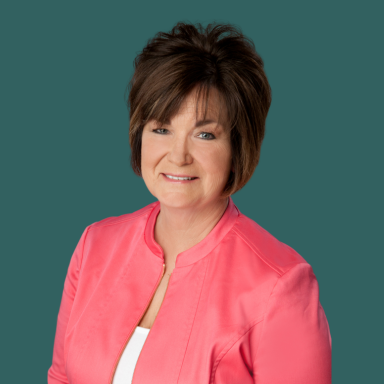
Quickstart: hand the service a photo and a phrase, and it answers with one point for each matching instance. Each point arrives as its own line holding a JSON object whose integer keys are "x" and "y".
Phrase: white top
{"x": 128, "y": 360}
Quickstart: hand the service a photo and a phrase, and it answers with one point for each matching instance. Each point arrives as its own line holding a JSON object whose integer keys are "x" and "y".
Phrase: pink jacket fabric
{"x": 241, "y": 307}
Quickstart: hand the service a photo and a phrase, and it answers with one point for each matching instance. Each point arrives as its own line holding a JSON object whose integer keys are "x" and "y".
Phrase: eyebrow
{"x": 199, "y": 123}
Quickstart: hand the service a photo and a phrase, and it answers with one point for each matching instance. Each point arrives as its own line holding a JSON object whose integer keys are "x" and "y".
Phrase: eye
{"x": 159, "y": 129}
{"x": 207, "y": 135}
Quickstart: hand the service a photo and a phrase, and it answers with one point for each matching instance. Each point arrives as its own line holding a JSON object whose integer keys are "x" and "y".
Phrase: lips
{"x": 180, "y": 175}
{"x": 179, "y": 178}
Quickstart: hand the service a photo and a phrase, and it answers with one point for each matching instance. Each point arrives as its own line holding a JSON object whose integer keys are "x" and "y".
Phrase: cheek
{"x": 150, "y": 153}
{"x": 216, "y": 161}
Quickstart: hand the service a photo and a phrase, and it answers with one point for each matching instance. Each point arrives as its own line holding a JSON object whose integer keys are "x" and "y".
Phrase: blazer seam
{"x": 100, "y": 313}
{"x": 67, "y": 331}
{"x": 82, "y": 249}
{"x": 194, "y": 318}
{"x": 266, "y": 311}
{"x": 257, "y": 252}
{"x": 231, "y": 344}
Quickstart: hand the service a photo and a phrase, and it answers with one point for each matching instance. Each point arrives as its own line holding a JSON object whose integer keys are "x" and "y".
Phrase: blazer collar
{"x": 201, "y": 249}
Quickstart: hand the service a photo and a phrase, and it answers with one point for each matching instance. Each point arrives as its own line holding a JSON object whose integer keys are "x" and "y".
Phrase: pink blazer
{"x": 241, "y": 307}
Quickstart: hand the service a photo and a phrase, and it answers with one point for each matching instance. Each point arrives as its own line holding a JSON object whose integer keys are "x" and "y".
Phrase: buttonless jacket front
{"x": 241, "y": 307}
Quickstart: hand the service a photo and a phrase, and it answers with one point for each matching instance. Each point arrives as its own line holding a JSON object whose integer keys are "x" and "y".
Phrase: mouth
{"x": 179, "y": 178}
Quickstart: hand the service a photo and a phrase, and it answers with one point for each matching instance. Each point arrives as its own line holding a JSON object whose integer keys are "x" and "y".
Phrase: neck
{"x": 177, "y": 230}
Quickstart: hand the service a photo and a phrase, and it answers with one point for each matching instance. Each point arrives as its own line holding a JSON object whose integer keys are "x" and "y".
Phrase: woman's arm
{"x": 56, "y": 373}
{"x": 294, "y": 346}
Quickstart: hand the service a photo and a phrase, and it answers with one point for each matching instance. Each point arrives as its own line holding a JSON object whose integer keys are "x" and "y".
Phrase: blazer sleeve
{"x": 56, "y": 372}
{"x": 294, "y": 344}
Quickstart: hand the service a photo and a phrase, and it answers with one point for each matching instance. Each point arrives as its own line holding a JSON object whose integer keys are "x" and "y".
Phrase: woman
{"x": 214, "y": 296}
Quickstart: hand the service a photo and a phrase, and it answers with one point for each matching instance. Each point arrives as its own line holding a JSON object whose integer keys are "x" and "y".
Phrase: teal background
{"x": 65, "y": 154}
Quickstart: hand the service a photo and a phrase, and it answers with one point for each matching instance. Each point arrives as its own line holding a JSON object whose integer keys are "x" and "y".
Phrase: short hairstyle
{"x": 172, "y": 64}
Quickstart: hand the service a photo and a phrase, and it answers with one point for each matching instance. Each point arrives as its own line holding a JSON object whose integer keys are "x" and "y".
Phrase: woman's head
{"x": 215, "y": 73}
{"x": 188, "y": 146}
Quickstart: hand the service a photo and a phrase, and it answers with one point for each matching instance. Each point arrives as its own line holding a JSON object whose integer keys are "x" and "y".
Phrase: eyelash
{"x": 212, "y": 135}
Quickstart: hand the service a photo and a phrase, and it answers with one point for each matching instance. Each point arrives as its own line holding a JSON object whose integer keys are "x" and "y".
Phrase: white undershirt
{"x": 128, "y": 360}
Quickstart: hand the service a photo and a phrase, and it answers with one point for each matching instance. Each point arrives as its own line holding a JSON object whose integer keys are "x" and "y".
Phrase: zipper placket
{"x": 169, "y": 282}
{"x": 137, "y": 322}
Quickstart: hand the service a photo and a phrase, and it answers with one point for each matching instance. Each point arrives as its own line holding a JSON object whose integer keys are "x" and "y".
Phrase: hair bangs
{"x": 168, "y": 104}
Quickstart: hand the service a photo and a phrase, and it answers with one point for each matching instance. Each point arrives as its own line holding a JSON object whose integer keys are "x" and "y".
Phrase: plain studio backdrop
{"x": 65, "y": 154}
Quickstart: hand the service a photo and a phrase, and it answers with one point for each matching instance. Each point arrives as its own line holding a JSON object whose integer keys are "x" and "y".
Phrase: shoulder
{"x": 277, "y": 255}
{"x": 133, "y": 219}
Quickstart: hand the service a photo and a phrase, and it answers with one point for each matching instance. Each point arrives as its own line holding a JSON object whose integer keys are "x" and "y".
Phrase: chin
{"x": 176, "y": 200}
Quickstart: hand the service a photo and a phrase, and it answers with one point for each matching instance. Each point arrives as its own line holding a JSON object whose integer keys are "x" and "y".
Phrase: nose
{"x": 179, "y": 151}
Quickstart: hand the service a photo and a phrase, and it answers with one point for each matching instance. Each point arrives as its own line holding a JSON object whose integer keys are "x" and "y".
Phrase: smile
{"x": 179, "y": 178}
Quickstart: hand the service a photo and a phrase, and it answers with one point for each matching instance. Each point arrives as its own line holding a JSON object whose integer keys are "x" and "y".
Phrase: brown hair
{"x": 189, "y": 56}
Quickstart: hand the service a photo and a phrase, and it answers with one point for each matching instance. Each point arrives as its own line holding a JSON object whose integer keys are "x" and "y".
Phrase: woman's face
{"x": 187, "y": 146}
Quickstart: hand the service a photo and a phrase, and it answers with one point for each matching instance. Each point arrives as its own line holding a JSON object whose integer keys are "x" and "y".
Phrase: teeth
{"x": 179, "y": 178}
